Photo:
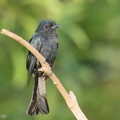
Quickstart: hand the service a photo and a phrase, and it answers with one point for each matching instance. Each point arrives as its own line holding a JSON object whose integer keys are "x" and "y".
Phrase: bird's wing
{"x": 36, "y": 42}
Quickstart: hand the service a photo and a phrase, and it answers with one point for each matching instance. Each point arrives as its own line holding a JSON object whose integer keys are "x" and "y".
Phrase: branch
{"x": 70, "y": 98}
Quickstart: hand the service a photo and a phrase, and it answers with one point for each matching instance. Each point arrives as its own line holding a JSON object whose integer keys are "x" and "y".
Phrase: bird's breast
{"x": 49, "y": 47}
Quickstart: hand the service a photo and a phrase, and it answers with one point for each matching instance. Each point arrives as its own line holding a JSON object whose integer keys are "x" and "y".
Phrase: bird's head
{"x": 47, "y": 25}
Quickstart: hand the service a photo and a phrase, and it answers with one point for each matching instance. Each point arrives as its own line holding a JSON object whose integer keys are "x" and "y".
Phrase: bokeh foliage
{"x": 87, "y": 61}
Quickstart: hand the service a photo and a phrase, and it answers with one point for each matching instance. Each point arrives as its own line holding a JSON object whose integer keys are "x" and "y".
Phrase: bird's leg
{"x": 46, "y": 69}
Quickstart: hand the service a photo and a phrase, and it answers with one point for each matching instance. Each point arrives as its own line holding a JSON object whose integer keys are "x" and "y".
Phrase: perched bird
{"x": 45, "y": 40}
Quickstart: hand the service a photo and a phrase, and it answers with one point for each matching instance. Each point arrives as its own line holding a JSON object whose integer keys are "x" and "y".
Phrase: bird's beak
{"x": 56, "y": 26}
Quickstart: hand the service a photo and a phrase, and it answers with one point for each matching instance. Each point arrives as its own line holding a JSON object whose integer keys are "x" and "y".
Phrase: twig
{"x": 69, "y": 98}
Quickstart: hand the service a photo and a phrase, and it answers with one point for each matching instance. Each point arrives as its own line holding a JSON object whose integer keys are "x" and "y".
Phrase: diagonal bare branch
{"x": 70, "y": 98}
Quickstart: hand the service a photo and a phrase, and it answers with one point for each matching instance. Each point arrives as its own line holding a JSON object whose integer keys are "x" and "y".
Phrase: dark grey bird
{"x": 45, "y": 40}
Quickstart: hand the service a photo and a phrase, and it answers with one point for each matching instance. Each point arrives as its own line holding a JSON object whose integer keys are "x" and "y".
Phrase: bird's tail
{"x": 38, "y": 101}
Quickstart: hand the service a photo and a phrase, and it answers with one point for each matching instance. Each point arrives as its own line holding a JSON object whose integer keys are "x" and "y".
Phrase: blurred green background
{"x": 87, "y": 62}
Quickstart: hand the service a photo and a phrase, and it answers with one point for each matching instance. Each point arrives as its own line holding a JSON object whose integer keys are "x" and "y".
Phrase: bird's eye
{"x": 46, "y": 27}
{"x": 51, "y": 24}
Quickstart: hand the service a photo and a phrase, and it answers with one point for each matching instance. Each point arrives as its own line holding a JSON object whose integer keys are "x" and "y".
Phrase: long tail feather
{"x": 38, "y": 102}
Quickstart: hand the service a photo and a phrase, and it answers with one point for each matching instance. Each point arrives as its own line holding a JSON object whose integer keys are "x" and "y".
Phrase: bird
{"x": 45, "y": 41}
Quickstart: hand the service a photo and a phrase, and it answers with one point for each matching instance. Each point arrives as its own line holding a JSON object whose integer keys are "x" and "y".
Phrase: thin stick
{"x": 69, "y": 98}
